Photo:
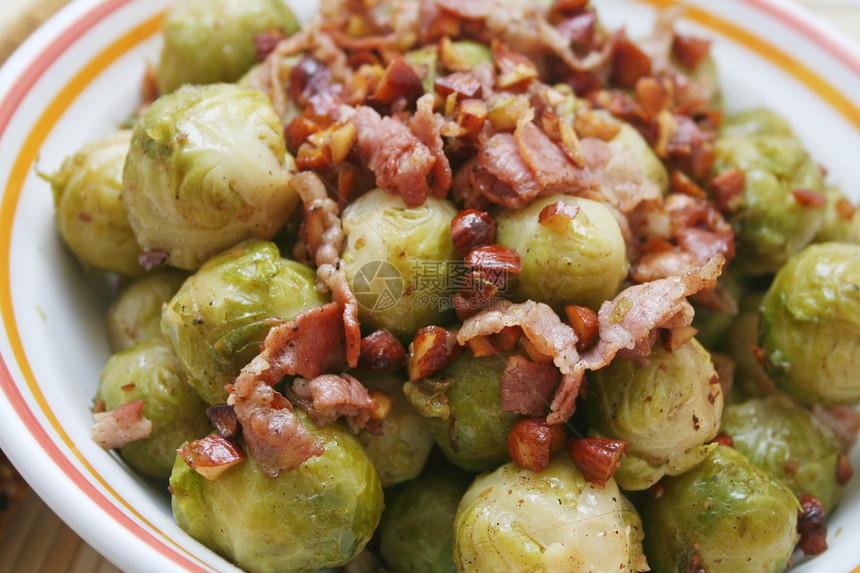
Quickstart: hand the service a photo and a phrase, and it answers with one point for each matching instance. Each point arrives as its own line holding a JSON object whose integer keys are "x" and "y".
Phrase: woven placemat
{"x": 15, "y": 32}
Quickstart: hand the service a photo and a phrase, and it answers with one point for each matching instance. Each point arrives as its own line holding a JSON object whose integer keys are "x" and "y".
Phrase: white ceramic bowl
{"x": 78, "y": 77}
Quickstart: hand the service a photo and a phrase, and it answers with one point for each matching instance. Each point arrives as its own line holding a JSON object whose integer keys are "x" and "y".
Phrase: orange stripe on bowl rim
{"x": 26, "y": 157}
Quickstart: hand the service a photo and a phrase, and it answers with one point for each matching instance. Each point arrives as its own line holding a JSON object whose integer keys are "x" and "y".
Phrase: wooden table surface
{"x": 36, "y": 540}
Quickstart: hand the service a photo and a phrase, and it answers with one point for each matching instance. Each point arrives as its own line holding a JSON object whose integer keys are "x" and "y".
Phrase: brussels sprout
{"x": 474, "y": 433}
{"x": 207, "y": 168}
{"x": 208, "y": 41}
{"x": 750, "y": 377}
{"x": 135, "y": 315}
{"x": 789, "y": 443}
{"x": 810, "y": 325}
{"x": 706, "y": 78}
{"x": 400, "y": 261}
{"x": 222, "y": 313}
{"x": 585, "y": 265}
{"x": 711, "y": 324}
{"x": 771, "y": 224}
{"x": 755, "y": 122}
{"x": 839, "y": 216}
{"x": 731, "y": 514}
{"x": 516, "y": 520}
{"x": 630, "y": 139}
{"x": 148, "y": 372}
{"x": 417, "y": 529}
{"x": 666, "y": 410}
{"x": 319, "y": 515}
{"x": 400, "y": 452}
{"x": 90, "y": 216}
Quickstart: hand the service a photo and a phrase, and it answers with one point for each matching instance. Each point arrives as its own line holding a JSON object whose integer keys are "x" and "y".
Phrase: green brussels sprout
{"x": 706, "y": 78}
{"x": 399, "y": 454}
{"x": 771, "y": 224}
{"x": 630, "y": 139}
{"x": 712, "y": 325}
{"x": 148, "y": 372}
{"x": 135, "y": 315}
{"x": 789, "y": 443}
{"x": 218, "y": 319}
{"x": 516, "y": 520}
{"x": 208, "y": 41}
{"x": 750, "y": 378}
{"x": 207, "y": 168}
{"x": 318, "y": 515}
{"x": 400, "y": 261}
{"x": 731, "y": 514}
{"x": 585, "y": 265}
{"x": 90, "y": 216}
{"x": 667, "y": 411}
{"x": 755, "y": 122}
{"x": 472, "y": 431}
{"x": 838, "y": 225}
{"x": 416, "y": 534}
{"x": 810, "y": 325}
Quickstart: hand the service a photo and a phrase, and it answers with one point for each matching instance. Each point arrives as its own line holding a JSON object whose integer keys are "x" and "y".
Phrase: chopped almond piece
{"x": 629, "y": 62}
{"x": 844, "y": 471}
{"x": 570, "y": 143}
{"x": 532, "y": 442}
{"x": 451, "y": 58}
{"x": 680, "y": 183}
{"x": 224, "y": 419}
{"x": 809, "y": 199}
{"x": 471, "y": 115}
{"x": 494, "y": 258}
{"x": 508, "y": 338}
{"x": 483, "y": 346}
{"x": 211, "y": 456}
{"x": 558, "y": 216}
{"x": 690, "y": 50}
{"x": 811, "y": 525}
{"x": 589, "y": 124}
{"x": 431, "y": 351}
{"x": 342, "y": 140}
{"x": 728, "y": 188}
{"x": 383, "y": 404}
{"x": 471, "y": 229}
{"x": 845, "y": 209}
{"x": 584, "y": 322}
{"x": 533, "y": 352}
{"x": 596, "y": 458}
{"x": 673, "y": 338}
{"x": 399, "y": 82}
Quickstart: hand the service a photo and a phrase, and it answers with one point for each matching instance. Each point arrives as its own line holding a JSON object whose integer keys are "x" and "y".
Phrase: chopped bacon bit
{"x": 596, "y": 458}
{"x": 584, "y": 322}
{"x": 381, "y": 352}
{"x": 342, "y": 140}
{"x": 398, "y": 83}
{"x": 472, "y": 229}
{"x": 674, "y": 338}
{"x": 579, "y": 29}
{"x": 98, "y": 406}
{"x": 680, "y": 183}
{"x": 494, "y": 258}
{"x": 224, "y": 419}
{"x": 329, "y": 396}
{"x": 116, "y": 428}
{"x": 265, "y": 43}
{"x": 652, "y": 95}
{"x": 527, "y": 386}
{"x": 758, "y": 353}
{"x": 532, "y": 442}
{"x": 508, "y": 338}
{"x": 845, "y": 209}
{"x": 809, "y": 199}
{"x": 558, "y": 216}
{"x": 811, "y": 525}
{"x": 690, "y": 50}
{"x": 212, "y": 456}
{"x": 695, "y": 565}
{"x": 464, "y": 85}
{"x": 629, "y": 62}
{"x": 514, "y": 68}
{"x": 728, "y": 188}
{"x": 471, "y": 115}
{"x": 384, "y": 404}
{"x": 723, "y": 439}
{"x": 568, "y": 7}
{"x": 432, "y": 350}
{"x": 152, "y": 258}
{"x": 483, "y": 346}
{"x": 844, "y": 471}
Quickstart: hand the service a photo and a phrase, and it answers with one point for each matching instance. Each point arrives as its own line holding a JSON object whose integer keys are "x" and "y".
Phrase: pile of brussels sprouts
{"x": 200, "y": 189}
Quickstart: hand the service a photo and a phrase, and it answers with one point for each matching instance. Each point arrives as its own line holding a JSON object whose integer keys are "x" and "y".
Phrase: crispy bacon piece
{"x": 527, "y": 386}
{"x": 467, "y": 9}
{"x": 212, "y": 456}
{"x": 427, "y": 127}
{"x": 532, "y": 442}
{"x": 266, "y": 42}
{"x": 328, "y": 397}
{"x": 381, "y": 352}
{"x": 464, "y": 85}
{"x": 728, "y": 188}
{"x": 116, "y": 428}
{"x": 690, "y": 50}
{"x": 811, "y": 525}
{"x": 629, "y": 62}
{"x": 471, "y": 229}
{"x": 596, "y": 458}
{"x": 809, "y": 199}
{"x": 432, "y": 350}
{"x": 622, "y": 182}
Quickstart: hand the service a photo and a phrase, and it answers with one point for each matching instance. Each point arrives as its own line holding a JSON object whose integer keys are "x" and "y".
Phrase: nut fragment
{"x": 399, "y": 82}
{"x": 728, "y": 188}
{"x": 471, "y": 115}
{"x": 508, "y": 338}
{"x": 383, "y": 404}
{"x": 466, "y": 86}
{"x": 224, "y": 419}
{"x": 483, "y": 346}
{"x": 596, "y": 458}
{"x": 629, "y": 63}
{"x": 811, "y": 525}
{"x": 589, "y": 124}
{"x": 690, "y": 50}
{"x": 471, "y": 229}
{"x": 558, "y": 216}
{"x": 494, "y": 258}
{"x": 673, "y": 338}
{"x": 381, "y": 352}
{"x": 532, "y": 442}
{"x": 432, "y": 350}
{"x": 211, "y": 456}
{"x": 583, "y": 320}
{"x": 844, "y": 471}
{"x": 809, "y": 199}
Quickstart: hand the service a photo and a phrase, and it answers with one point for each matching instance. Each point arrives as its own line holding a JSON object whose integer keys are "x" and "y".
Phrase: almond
{"x": 728, "y": 189}
{"x": 508, "y": 338}
{"x": 629, "y": 62}
{"x": 383, "y": 404}
{"x": 809, "y": 199}
{"x": 381, "y": 352}
{"x": 224, "y": 419}
{"x": 471, "y": 115}
{"x": 483, "y": 346}
{"x": 494, "y": 258}
{"x": 432, "y": 350}
{"x": 673, "y": 338}
{"x": 596, "y": 458}
{"x": 211, "y": 456}
{"x": 583, "y": 320}
{"x": 811, "y": 525}
{"x": 471, "y": 229}
{"x": 399, "y": 82}
{"x": 532, "y": 442}
{"x": 558, "y": 216}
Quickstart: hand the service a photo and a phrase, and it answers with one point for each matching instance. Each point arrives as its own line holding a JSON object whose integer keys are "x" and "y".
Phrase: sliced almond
{"x": 532, "y": 442}
{"x": 596, "y": 458}
{"x": 432, "y": 350}
{"x": 211, "y": 456}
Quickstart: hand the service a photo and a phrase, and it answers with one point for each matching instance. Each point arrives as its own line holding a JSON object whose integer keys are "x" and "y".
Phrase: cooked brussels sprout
{"x": 416, "y": 534}
{"x": 630, "y": 139}
{"x": 400, "y": 452}
{"x": 839, "y": 216}
{"x": 148, "y": 372}
{"x": 585, "y": 265}
{"x": 755, "y": 122}
{"x": 135, "y": 315}
{"x": 208, "y": 41}
{"x": 731, "y": 514}
{"x": 222, "y": 313}
{"x": 90, "y": 216}
{"x": 516, "y": 520}
{"x": 319, "y": 515}
{"x": 712, "y": 325}
{"x": 741, "y": 344}
{"x": 810, "y": 325}
{"x": 771, "y": 224}
{"x": 400, "y": 261}
{"x": 789, "y": 443}
{"x": 667, "y": 410}
{"x": 207, "y": 168}
{"x": 474, "y": 433}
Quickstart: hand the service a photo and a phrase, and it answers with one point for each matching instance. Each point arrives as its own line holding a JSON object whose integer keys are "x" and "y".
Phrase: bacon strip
{"x": 328, "y": 397}
{"x": 427, "y": 128}
{"x": 622, "y": 182}
{"x": 119, "y": 427}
